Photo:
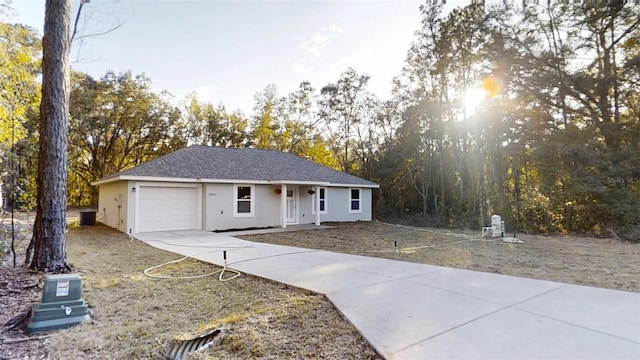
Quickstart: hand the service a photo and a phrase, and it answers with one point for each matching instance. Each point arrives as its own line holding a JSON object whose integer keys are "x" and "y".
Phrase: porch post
{"x": 316, "y": 205}
{"x": 283, "y": 206}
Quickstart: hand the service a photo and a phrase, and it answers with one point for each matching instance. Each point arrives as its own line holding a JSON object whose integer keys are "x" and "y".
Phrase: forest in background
{"x": 532, "y": 114}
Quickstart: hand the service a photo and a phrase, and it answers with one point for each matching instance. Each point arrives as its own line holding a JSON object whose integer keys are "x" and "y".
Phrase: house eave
{"x": 296, "y": 182}
{"x": 143, "y": 178}
{"x": 369, "y": 186}
{"x": 226, "y": 181}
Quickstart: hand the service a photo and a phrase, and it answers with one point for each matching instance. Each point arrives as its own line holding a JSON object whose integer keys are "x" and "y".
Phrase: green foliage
{"x": 20, "y": 53}
{"x": 555, "y": 146}
{"x": 19, "y": 67}
{"x": 204, "y": 124}
{"x": 554, "y": 149}
{"x": 289, "y": 124}
{"x": 267, "y": 127}
{"x": 116, "y": 123}
{"x": 348, "y": 110}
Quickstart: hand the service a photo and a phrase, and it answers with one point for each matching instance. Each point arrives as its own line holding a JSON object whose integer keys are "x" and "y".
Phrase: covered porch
{"x": 291, "y": 193}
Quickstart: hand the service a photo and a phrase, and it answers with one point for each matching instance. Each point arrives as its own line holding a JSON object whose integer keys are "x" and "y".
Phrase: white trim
{"x": 316, "y": 205}
{"x": 180, "y": 180}
{"x": 234, "y": 181}
{"x": 224, "y": 181}
{"x": 359, "y": 201}
{"x": 143, "y": 178}
{"x": 163, "y": 184}
{"x": 374, "y": 186}
{"x": 251, "y": 200}
{"x": 295, "y": 182}
{"x": 326, "y": 193}
{"x": 283, "y": 206}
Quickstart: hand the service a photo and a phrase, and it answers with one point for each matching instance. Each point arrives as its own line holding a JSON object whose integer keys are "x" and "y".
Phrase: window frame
{"x": 251, "y": 200}
{"x": 351, "y": 200}
{"x": 322, "y": 200}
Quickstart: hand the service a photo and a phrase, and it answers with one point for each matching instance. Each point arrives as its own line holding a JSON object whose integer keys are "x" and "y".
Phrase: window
{"x": 243, "y": 202}
{"x": 323, "y": 201}
{"x": 354, "y": 201}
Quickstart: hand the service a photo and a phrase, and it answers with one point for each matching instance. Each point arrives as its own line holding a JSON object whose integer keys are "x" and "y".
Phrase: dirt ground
{"x": 137, "y": 317}
{"x": 133, "y": 316}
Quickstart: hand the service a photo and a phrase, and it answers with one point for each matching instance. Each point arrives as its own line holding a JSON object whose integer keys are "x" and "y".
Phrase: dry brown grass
{"x": 605, "y": 263}
{"x": 136, "y": 317}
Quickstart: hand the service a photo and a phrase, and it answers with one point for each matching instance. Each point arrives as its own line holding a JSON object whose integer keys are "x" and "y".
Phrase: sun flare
{"x": 473, "y": 98}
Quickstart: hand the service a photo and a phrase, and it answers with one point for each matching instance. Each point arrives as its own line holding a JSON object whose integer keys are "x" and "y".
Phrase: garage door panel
{"x": 168, "y": 208}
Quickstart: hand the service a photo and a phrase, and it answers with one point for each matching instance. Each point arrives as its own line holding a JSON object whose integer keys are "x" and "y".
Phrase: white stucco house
{"x": 211, "y": 188}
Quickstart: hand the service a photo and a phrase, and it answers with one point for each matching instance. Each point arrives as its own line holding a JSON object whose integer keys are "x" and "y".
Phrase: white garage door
{"x": 163, "y": 208}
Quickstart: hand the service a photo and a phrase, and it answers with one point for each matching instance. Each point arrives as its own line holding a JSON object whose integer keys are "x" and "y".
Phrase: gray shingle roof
{"x": 207, "y": 162}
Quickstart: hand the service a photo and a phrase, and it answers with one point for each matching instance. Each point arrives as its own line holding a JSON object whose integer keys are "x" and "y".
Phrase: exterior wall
{"x": 113, "y": 205}
{"x": 219, "y": 199}
{"x": 131, "y": 213}
{"x": 338, "y": 205}
{"x": 305, "y": 206}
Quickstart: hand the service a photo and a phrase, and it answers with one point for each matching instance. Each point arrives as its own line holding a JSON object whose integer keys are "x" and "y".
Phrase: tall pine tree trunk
{"x": 50, "y": 224}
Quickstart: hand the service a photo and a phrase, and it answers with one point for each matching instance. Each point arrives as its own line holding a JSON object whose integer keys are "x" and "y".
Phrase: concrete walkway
{"x": 414, "y": 311}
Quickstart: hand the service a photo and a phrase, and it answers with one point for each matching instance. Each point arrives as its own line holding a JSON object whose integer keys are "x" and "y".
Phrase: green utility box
{"x": 62, "y": 305}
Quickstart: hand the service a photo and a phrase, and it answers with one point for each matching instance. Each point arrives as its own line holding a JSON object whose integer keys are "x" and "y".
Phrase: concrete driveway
{"x": 415, "y": 311}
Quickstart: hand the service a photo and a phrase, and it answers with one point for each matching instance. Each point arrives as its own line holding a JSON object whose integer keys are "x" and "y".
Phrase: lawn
{"x": 134, "y": 316}
{"x": 137, "y": 317}
{"x": 605, "y": 263}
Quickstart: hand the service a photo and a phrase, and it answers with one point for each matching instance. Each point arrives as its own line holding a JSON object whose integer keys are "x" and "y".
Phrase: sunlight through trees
{"x": 531, "y": 113}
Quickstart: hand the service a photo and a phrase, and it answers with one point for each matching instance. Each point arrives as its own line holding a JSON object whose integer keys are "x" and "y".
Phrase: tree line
{"x": 533, "y": 114}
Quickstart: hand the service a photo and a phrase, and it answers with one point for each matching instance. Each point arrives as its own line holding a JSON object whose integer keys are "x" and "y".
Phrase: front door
{"x": 292, "y": 206}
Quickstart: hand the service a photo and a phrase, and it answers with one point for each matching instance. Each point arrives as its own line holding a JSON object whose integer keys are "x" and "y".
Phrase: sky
{"x": 226, "y": 51}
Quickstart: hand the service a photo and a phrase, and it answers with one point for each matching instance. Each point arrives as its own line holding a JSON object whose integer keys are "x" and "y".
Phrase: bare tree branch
{"x": 105, "y": 32}
{"x": 75, "y": 23}
{"x": 78, "y": 28}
